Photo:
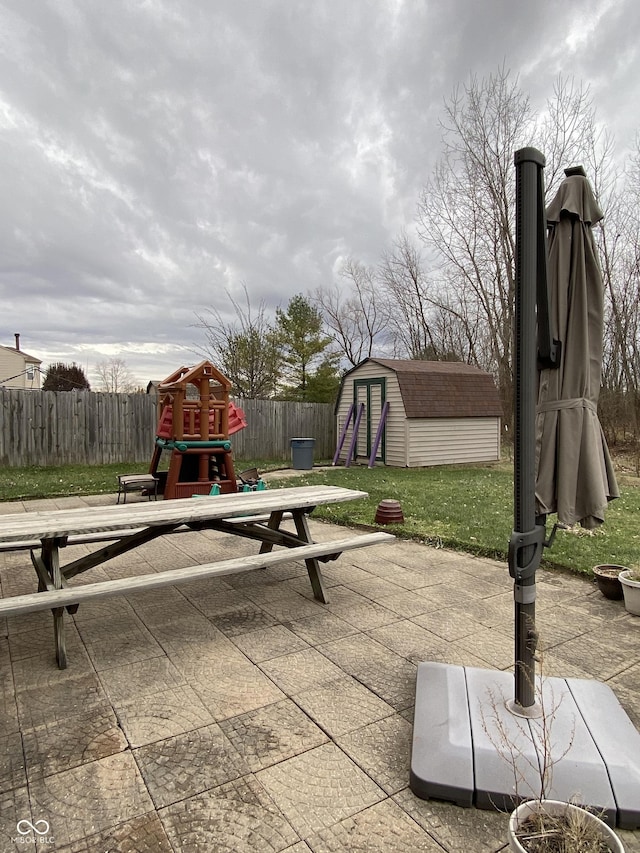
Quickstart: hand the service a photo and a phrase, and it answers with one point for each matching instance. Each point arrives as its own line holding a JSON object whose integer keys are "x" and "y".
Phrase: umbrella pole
{"x": 527, "y": 539}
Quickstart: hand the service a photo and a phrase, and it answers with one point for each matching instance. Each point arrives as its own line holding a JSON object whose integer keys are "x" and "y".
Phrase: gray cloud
{"x": 156, "y": 153}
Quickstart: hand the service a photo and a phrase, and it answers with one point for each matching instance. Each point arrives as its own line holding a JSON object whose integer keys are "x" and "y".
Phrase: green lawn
{"x": 466, "y": 508}
{"x": 471, "y": 509}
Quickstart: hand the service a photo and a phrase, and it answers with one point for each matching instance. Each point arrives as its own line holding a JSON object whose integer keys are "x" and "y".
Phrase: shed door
{"x": 371, "y": 392}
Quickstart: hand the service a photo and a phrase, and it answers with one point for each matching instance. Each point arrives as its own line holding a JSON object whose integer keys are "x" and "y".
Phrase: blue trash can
{"x": 302, "y": 453}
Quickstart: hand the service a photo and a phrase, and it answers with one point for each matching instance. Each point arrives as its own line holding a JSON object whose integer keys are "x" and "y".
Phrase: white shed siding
{"x": 446, "y": 441}
{"x": 395, "y": 446}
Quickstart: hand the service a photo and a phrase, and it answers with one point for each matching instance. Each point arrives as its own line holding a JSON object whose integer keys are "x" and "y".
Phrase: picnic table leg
{"x": 313, "y": 566}
{"x": 273, "y": 524}
{"x": 51, "y": 560}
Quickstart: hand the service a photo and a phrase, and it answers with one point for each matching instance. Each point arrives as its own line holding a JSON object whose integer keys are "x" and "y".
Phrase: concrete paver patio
{"x": 240, "y": 714}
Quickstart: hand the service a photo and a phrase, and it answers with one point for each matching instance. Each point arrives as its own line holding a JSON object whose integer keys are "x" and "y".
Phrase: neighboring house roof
{"x": 443, "y": 389}
{"x": 30, "y": 358}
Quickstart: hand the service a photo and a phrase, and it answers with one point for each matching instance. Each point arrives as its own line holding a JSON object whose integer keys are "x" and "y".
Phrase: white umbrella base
{"x": 463, "y": 731}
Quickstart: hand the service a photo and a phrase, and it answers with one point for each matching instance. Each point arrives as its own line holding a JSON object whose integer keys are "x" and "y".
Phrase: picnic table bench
{"x": 253, "y": 515}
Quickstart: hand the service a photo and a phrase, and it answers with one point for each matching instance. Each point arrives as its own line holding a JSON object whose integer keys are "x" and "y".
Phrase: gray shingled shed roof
{"x": 443, "y": 389}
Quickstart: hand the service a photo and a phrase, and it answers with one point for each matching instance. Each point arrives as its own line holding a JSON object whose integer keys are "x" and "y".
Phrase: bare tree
{"x": 356, "y": 318}
{"x": 619, "y": 246}
{"x": 419, "y": 324}
{"x": 466, "y": 212}
{"x": 115, "y": 376}
{"x": 246, "y": 349}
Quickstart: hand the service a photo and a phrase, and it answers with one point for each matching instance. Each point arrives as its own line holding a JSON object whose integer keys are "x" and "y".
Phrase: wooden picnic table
{"x": 253, "y": 515}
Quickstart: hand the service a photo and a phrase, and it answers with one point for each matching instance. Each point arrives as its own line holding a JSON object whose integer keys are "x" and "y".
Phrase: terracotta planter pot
{"x": 389, "y": 512}
{"x": 631, "y": 591}
{"x": 557, "y": 808}
{"x": 608, "y": 581}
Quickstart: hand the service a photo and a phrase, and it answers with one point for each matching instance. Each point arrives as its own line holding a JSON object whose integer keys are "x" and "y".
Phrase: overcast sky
{"x": 157, "y": 153}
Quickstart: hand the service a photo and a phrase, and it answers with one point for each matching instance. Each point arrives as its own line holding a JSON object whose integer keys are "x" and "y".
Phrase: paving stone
{"x": 406, "y": 603}
{"x": 318, "y": 788}
{"x": 214, "y": 604}
{"x": 41, "y": 667}
{"x": 181, "y": 766}
{"x": 269, "y": 643}
{"x": 358, "y": 610}
{"x": 8, "y": 707}
{"x": 238, "y": 688}
{"x": 40, "y": 642}
{"x": 492, "y": 612}
{"x": 144, "y": 834}
{"x": 447, "y": 594}
{"x": 344, "y": 574}
{"x": 300, "y": 670}
{"x": 383, "y": 750}
{"x": 408, "y": 573}
{"x": 604, "y": 661}
{"x": 120, "y": 646}
{"x": 382, "y": 828}
{"x": 103, "y": 609}
{"x": 142, "y": 678}
{"x": 59, "y": 698}
{"x": 390, "y": 676}
{"x": 238, "y": 817}
{"x": 92, "y": 734}
{"x": 409, "y": 640}
{"x": 342, "y": 705}
{"x": 450, "y": 624}
{"x": 12, "y": 769}
{"x": 14, "y": 807}
{"x": 183, "y": 642}
{"x": 282, "y": 606}
{"x": 27, "y": 621}
{"x": 455, "y": 828}
{"x": 162, "y": 715}
{"x": 88, "y": 799}
{"x": 491, "y": 646}
{"x": 271, "y": 734}
{"x": 375, "y": 588}
{"x": 626, "y": 686}
{"x": 321, "y": 629}
{"x": 242, "y": 618}
{"x": 162, "y": 606}
{"x": 276, "y": 591}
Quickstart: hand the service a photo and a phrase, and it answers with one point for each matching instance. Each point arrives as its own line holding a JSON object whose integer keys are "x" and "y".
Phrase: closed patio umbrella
{"x": 574, "y": 473}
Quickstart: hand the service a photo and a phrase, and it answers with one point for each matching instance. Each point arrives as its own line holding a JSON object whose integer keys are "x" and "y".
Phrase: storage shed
{"x": 437, "y": 413}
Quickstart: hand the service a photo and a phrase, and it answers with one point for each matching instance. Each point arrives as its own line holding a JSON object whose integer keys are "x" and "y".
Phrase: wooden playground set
{"x": 195, "y": 421}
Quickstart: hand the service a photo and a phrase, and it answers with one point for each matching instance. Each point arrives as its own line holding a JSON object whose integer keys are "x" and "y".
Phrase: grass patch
{"x": 470, "y": 509}
{"x": 466, "y": 508}
{"x": 17, "y": 484}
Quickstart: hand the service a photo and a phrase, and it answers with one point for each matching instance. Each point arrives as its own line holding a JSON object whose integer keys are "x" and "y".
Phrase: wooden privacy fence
{"x": 87, "y": 428}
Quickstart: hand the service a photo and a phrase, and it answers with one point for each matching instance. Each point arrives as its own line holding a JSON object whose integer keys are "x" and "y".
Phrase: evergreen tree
{"x": 300, "y": 335}
{"x": 65, "y": 377}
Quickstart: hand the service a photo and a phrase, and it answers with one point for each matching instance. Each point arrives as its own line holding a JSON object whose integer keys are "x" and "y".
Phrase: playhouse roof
{"x": 442, "y": 389}
{"x": 181, "y": 377}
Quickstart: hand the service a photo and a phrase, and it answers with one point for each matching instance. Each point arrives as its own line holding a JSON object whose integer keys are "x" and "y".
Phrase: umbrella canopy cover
{"x": 574, "y": 476}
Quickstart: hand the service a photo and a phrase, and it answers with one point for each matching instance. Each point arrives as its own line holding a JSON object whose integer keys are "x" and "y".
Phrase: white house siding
{"x": 395, "y": 452}
{"x": 446, "y": 441}
{"x": 13, "y": 367}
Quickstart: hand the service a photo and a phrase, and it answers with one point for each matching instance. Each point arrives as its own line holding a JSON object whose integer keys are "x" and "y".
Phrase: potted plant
{"x": 538, "y": 823}
{"x": 608, "y": 580}
{"x": 630, "y": 580}
{"x": 555, "y": 826}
